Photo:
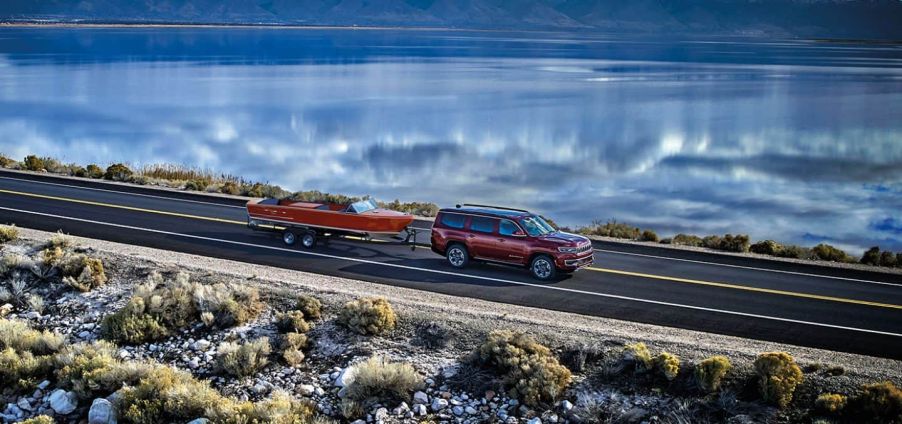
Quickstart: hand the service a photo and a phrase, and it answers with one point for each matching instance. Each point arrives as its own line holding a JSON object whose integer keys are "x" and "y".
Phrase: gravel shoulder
{"x": 478, "y": 316}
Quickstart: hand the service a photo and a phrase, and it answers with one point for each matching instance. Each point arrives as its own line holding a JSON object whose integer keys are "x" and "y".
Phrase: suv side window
{"x": 507, "y": 228}
{"x": 453, "y": 220}
{"x": 482, "y": 225}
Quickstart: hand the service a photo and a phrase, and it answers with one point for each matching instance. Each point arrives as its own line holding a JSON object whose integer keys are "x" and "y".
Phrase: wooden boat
{"x": 309, "y": 220}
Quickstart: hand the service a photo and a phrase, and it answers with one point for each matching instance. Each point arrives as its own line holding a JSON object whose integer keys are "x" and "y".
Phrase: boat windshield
{"x": 536, "y": 226}
{"x": 362, "y": 206}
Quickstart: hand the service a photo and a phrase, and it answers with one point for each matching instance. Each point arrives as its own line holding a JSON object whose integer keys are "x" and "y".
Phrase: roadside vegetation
{"x": 741, "y": 243}
{"x": 153, "y": 344}
{"x": 196, "y": 179}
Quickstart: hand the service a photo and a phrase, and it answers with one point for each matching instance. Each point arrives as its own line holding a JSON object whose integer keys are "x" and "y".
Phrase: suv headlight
{"x": 567, "y": 249}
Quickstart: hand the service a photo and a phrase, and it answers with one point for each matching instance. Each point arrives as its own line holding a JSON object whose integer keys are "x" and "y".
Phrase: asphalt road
{"x": 808, "y": 305}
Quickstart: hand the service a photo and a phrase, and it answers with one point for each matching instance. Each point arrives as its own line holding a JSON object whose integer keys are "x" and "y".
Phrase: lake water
{"x": 800, "y": 141}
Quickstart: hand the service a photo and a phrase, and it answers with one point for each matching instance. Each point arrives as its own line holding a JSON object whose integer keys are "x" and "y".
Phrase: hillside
{"x": 806, "y": 18}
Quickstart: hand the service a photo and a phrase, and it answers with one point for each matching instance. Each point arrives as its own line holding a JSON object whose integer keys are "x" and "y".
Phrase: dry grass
{"x": 8, "y": 233}
{"x": 378, "y": 380}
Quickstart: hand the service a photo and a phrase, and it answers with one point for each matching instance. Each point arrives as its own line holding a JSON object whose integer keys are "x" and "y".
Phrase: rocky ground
{"x": 455, "y": 391}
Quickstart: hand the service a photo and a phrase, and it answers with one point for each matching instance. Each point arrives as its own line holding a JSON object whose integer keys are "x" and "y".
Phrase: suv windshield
{"x": 536, "y": 226}
{"x": 362, "y": 206}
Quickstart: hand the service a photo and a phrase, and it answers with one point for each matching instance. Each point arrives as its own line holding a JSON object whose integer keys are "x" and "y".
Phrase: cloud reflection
{"x": 703, "y": 149}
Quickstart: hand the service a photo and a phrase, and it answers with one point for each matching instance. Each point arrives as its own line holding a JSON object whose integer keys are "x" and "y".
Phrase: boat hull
{"x": 377, "y": 221}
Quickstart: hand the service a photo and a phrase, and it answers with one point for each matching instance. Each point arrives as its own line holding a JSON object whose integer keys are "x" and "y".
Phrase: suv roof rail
{"x": 492, "y": 207}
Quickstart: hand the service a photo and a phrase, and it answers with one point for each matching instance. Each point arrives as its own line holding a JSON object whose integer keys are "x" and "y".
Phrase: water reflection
{"x": 676, "y": 136}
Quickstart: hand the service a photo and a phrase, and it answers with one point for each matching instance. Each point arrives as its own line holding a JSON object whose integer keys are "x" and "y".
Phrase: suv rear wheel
{"x": 457, "y": 255}
{"x": 542, "y": 268}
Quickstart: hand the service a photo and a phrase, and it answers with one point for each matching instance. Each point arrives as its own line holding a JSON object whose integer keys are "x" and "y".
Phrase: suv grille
{"x": 584, "y": 248}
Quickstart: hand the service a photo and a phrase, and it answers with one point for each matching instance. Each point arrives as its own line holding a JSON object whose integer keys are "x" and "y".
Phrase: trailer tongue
{"x": 310, "y": 221}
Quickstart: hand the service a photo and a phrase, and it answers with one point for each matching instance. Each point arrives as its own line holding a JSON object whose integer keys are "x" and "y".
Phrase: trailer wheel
{"x": 309, "y": 239}
{"x": 289, "y": 237}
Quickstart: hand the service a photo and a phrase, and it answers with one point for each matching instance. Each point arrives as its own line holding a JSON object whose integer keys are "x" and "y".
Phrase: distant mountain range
{"x": 876, "y": 19}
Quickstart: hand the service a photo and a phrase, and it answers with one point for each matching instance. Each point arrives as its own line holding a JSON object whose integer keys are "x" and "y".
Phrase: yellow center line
{"x": 130, "y": 208}
{"x": 747, "y": 288}
{"x": 596, "y": 269}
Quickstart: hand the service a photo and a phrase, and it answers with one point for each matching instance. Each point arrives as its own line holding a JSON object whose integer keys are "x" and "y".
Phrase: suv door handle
{"x": 470, "y": 236}
{"x": 501, "y": 240}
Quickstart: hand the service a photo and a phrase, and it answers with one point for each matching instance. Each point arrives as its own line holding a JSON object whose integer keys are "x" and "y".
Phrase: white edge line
{"x": 123, "y": 192}
{"x": 478, "y": 277}
{"x": 751, "y": 268}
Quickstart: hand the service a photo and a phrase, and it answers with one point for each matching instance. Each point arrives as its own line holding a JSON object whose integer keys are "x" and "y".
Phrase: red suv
{"x": 507, "y": 236}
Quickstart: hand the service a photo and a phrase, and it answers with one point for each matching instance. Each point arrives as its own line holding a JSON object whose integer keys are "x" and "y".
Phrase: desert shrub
{"x": 166, "y": 395}
{"x": 414, "y": 208}
{"x": 94, "y": 171}
{"x": 529, "y": 370}
{"x": 876, "y": 403}
{"x": 18, "y": 336}
{"x": 369, "y": 315}
{"x": 649, "y": 235}
{"x": 230, "y": 187}
{"x": 292, "y": 322}
{"x": 197, "y": 185}
{"x": 93, "y": 369}
{"x": 686, "y": 240}
{"x": 40, "y": 419}
{"x": 243, "y": 359}
{"x": 710, "y": 372}
{"x": 132, "y": 324}
{"x": 310, "y": 306}
{"x": 279, "y": 409}
{"x": 830, "y": 403}
{"x": 871, "y": 256}
{"x": 711, "y": 242}
{"x": 431, "y": 335}
{"x": 6, "y": 162}
{"x": 826, "y": 252}
{"x": 611, "y": 229}
{"x": 292, "y": 346}
{"x": 22, "y": 370}
{"x": 320, "y": 197}
{"x": 899, "y": 260}
{"x": 766, "y": 247}
{"x": 887, "y": 259}
{"x": 33, "y": 163}
{"x": 8, "y": 233}
{"x": 35, "y": 303}
{"x": 378, "y": 380}
{"x": 793, "y": 251}
{"x": 737, "y": 243}
{"x": 82, "y": 272}
{"x": 78, "y": 171}
{"x": 60, "y": 240}
{"x": 638, "y": 355}
{"x": 118, "y": 172}
{"x": 778, "y": 376}
{"x": 667, "y": 364}
{"x": 160, "y": 305}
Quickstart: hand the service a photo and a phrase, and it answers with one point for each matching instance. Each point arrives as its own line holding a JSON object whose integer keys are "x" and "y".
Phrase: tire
{"x": 308, "y": 240}
{"x": 289, "y": 237}
{"x": 542, "y": 268}
{"x": 457, "y": 255}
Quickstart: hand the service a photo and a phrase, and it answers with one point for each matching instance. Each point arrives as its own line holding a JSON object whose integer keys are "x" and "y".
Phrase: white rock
{"x": 306, "y": 389}
{"x": 199, "y": 421}
{"x": 44, "y": 385}
{"x": 513, "y": 402}
{"x": 420, "y": 397}
{"x": 420, "y": 409}
{"x": 566, "y": 405}
{"x": 359, "y": 422}
{"x": 5, "y": 309}
{"x": 470, "y": 410}
{"x": 24, "y": 404}
{"x": 438, "y": 404}
{"x": 345, "y": 378}
{"x": 101, "y": 412}
{"x": 201, "y": 345}
{"x": 381, "y": 414}
{"x": 63, "y": 402}
{"x": 401, "y": 409}
{"x": 457, "y": 410}
{"x": 534, "y": 421}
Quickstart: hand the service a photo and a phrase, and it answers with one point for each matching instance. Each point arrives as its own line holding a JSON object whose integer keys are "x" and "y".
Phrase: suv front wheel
{"x": 457, "y": 256}
{"x": 542, "y": 268}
